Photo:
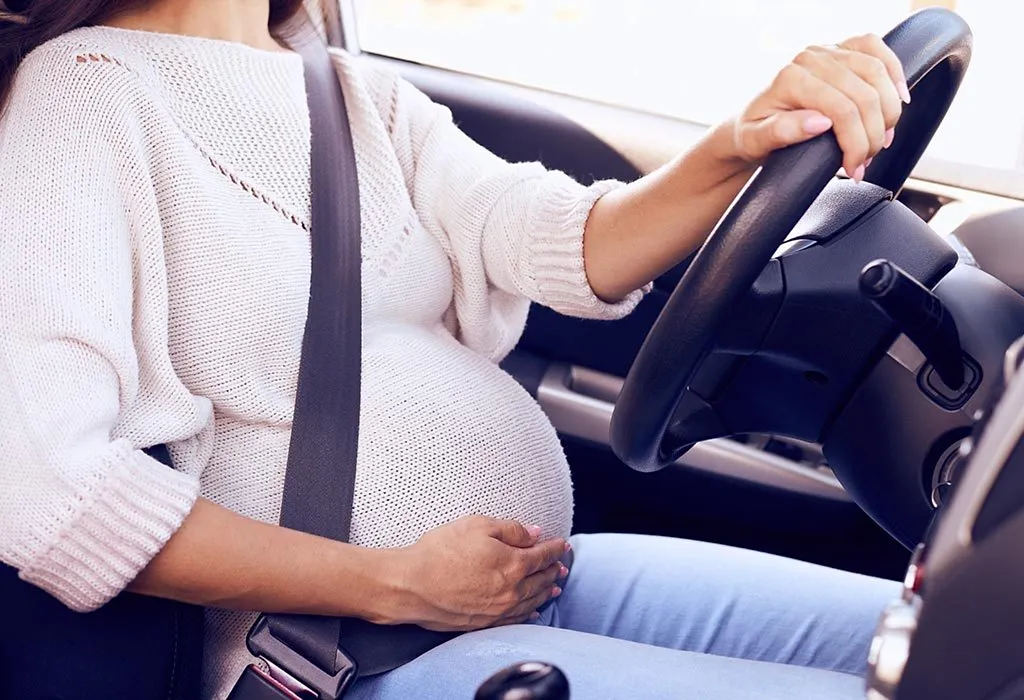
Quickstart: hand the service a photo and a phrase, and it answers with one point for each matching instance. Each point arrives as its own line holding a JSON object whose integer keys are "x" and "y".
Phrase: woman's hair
{"x": 25, "y": 24}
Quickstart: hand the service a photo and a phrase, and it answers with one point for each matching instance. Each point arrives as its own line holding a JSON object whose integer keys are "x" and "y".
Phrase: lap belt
{"x": 309, "y": 655}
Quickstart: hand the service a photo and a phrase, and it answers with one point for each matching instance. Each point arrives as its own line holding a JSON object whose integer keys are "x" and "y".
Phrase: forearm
{"x": 221, "y": 559}
{"x": 639, "y": 231}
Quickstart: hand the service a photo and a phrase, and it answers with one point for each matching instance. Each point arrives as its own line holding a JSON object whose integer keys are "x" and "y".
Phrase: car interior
{"x": 760, "y": 489}
{"x": 768, "y": 492}
{"x": 810, "y": 418}
{"x": 833, "y": 377}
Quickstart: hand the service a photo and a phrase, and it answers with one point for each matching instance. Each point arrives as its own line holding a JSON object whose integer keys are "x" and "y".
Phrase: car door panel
{"x": 519, "y": 130}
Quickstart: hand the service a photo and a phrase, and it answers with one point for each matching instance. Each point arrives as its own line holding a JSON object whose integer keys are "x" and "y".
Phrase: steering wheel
{"x": 654, "y": 420}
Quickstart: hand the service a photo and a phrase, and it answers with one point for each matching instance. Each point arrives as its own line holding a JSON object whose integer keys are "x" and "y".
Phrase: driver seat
{"x": 41, "y": 648}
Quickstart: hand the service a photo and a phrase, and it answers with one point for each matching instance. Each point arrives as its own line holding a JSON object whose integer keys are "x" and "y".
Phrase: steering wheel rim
{"x": 934, "y": 46}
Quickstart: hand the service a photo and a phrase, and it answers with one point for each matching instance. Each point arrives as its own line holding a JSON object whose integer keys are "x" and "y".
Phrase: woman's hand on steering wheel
{"x": 857, "y": 88}
{"x": 636, "y": 233}
{"x": 478, "y": 572}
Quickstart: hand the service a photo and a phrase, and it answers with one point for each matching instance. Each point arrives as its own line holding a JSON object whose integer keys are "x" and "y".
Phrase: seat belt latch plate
{"x": 299, "y": 675}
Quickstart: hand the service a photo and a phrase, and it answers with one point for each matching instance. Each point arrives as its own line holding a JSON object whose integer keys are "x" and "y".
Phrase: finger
{"x": 783, "y": 129}
{"x": 525, "y": 610}
{"x": 800, "y": 88}
{"x": 873, "y": 71}
{"x": 537, "y": 583}
{"x": 873, "y": 45}
{"x": 513, "y": 533}
{"x": 824, "y": 65}
{"x": 541, "y": 556}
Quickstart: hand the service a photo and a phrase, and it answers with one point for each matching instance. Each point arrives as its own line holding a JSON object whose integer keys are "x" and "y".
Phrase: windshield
{"x": 698, "y": 60}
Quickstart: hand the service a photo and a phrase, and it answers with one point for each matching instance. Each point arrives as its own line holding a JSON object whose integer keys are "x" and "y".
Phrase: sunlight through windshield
{"x": 697, "y": 60}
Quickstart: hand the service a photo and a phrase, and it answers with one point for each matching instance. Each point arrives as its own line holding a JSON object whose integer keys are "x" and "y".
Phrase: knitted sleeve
{"x": 514, "y": 232}
{"x": 80, "y": 513}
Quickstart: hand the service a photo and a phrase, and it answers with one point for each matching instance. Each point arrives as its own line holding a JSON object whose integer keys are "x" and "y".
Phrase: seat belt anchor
{"x": 303, "y": 678}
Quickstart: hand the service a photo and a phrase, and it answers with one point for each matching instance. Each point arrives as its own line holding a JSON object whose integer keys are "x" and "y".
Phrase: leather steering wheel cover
{"x": 935, "y": 48}
{"x": 755, "y": 226}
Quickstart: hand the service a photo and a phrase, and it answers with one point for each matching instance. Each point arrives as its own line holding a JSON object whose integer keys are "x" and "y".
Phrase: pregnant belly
{"x": 445, "y": 433}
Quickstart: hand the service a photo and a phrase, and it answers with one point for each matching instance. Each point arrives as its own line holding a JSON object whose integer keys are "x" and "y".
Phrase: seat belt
{"x": 305, "y": 652}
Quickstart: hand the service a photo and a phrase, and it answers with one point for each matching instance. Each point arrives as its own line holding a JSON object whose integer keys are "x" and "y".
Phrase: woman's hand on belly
{"x": 477, "y": 572}
{"x": 473, "y": 573}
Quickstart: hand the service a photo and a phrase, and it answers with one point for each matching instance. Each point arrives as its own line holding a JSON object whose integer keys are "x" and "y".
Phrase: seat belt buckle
{"x": 292, "y": 676}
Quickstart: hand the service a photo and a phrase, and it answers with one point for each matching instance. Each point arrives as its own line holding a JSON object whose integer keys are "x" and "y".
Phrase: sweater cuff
{"x": 118, "y": 529}
{"x": 556, "y": 250}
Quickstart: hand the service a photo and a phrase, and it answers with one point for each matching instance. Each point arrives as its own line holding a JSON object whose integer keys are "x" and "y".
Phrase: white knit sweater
{"x": 154, "y": 274}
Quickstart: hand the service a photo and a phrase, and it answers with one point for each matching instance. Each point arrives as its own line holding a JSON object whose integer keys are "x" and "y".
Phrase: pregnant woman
{"x": 154, "y": 275}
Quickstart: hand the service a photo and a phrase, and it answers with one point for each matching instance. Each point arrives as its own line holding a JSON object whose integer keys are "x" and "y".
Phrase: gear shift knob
{"x": 526, "y": 681}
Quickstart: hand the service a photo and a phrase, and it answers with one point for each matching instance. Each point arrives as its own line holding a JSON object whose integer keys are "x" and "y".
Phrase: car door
{"x": 609, "y": 90}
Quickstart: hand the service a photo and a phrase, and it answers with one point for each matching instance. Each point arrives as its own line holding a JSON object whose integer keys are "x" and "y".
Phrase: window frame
{"x": 347, "y": 27}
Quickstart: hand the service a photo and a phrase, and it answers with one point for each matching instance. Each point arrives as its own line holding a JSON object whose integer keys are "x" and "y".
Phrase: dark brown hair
{"x": 25, "y": 24}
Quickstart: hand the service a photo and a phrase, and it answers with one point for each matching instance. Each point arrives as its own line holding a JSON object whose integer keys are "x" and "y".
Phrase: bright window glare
{"x": 699, "y": 60}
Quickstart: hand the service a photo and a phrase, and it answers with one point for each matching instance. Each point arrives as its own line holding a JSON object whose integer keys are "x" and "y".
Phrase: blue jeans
{"x": 652, "y": 618}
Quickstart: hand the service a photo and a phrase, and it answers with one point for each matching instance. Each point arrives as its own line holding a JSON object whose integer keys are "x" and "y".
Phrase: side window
{"x": 697, "y": 60}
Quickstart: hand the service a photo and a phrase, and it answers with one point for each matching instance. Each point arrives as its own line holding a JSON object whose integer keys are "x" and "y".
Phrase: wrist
{"x": 723, "y": 145}
{"x": 356, "y": 582}
{"x": 389, "y": 598}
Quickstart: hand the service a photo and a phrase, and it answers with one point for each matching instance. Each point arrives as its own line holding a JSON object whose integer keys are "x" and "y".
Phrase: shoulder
{"x": 74, "y": 131}
{"x": 396, "y": 100}
{"x": 378, "y": 82}
{"x": 70, "y": 89}
{"x": 76, "y": 67}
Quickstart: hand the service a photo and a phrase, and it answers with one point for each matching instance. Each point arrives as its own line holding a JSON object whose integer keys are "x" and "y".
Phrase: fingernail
{"x": 534, "y": 530}
{"x": 534, "y": 616}
{"x": 904, "y": 92}
{"x": 555, "y": 592}
{"x": 817, "y": 124}
{"x": 867, "y": 163}
{"x": 890, "y": 134}
{"x": 858, "y": 174}
{"x": 568, "y": 547}
{"x": 562, "y": 571}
